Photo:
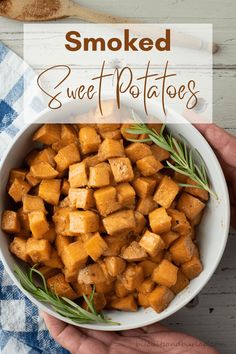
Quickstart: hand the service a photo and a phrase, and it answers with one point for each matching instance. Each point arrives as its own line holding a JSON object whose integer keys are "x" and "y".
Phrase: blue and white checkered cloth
{"x": 22, "y": 331}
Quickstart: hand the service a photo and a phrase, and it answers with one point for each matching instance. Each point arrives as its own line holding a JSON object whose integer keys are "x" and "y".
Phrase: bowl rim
{"x": 161, "y": 316}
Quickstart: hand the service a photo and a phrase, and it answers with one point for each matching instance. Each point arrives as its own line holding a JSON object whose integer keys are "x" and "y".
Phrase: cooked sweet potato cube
{"x": 65, "y": 186}
{"x": 43, "y": 170}
{"x": 114, "y": 134}
{"x": 48, "y": 134}
{"x": 10, "y": 222}
{"x": 61, "y": 242}
{"x": 127, "y": 303}
{"x": 67, "y": 156}
{"x": 144, "y": 186}
{"x": 146, "y": 205}
{"x": 160, "y": 298}
{"x": 179, "y": 222}
{"x": 148, "y": 267}
{"x": 125, "y": 134}
{"x": 181, "y": 283}
{"x": 115, "y": 243}
{"x": 166, "y": 192}
{"x": 54, "y": 261}
{"x": 48, "y": 272}
{"x": 152, "y": 243}
{"x": 16, "y": 173}
{"x": 182, "y": 250}
{"x": 68, "y": 134}
{"x": 70, "y": 274}
{"x": 140, "y": 223}
{"x": 179, "y": 177}
{"x": 137, "y": 151}
{"x": 147, "y": 286}
{"x": 38, "y": 250}
{"x": 132, "y": 277}
{"x": 105, "y": 288}
{"x": 158, "y": 258}
{"x": 50, "y": 235}
{"x": 32, "y": 180}
{"x": 49, "y": 190}
{"x": 62, "y": 222}
{"x": 81, "y": 198}
{"x": 83, "y": 221}
{"x": 91, "y": 160}
{"x": 33, "y": 203}
{"x": 45, "y": 155}
{"x": 196, "y": 221}
{"x": 149, "y": 165}
{"x": 18, "y": 248}
{"x": 196, "y": 192}
{"x": 159, "y": 153}
{"x": 192, "y": 268}
{"x": 110, "y": 148}
{"x": 120, "y": 290}
{"x": 95, "y": 246}
{"x": 89, "y": 140}
{"x": 38, "y": 224}
{"x": 82, "y": 289}
{"x": 18, "y": 189}
{"x": 114, "y": 265}
{"x": 159, "y": 220}
{"x": 99, "y": 175}
{"x": 125, "y": 194}
{"x": 99, "y": 302}
{"x": 119, "y": 221}
{"x": 78, "y": 175}
{"x": 169, "y": 237}
{"x": 61, "y": 287}
{"x": 134, "y": 252}
{"x": 106, "y": 200}
{"x": 165, "y": 273}
{"x": 190, "y": 205}
{"x": 24, "y": 219}
{"x": 92, "y": 274}
{"x": 121, "y": 169}
{"x": 143, "y": 300}
{"x": 74, "y": 255}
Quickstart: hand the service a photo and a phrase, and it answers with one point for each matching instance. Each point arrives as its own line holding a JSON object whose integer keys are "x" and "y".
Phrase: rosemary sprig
{"x": 62, "y": 305}
{"x": 180, "y": 153}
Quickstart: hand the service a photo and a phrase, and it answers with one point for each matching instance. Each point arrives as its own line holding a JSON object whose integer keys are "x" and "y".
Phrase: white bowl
{"x": 212, "y": 232}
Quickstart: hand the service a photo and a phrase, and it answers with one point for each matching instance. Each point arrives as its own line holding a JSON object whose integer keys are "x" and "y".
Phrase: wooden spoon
{"x": 44, "y": 10}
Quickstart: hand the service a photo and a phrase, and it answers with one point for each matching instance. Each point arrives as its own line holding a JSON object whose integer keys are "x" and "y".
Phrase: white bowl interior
{"x": 212, "y": 232}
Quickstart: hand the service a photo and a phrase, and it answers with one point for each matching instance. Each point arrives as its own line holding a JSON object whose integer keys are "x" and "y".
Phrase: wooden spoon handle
{"x": 88, "y": 15}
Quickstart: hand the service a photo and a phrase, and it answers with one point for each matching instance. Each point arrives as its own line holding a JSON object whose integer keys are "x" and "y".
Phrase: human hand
{"x": 150, "y": 339}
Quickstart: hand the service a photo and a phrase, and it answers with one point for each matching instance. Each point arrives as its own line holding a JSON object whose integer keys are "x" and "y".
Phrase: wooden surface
{"x": 212, "y": 316}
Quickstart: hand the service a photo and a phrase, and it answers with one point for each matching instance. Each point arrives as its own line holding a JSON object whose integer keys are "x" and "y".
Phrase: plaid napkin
{"x": 22, "y": 331}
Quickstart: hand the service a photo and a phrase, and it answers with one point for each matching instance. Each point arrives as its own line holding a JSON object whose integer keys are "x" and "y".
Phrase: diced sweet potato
{"x": 68, "y": 134}
{"x": 10, "y": 222}
{"x": 110, "y": 148}
{"x": 120, "y": 290}
{"x": 147, "y": 286}
{"x": 74, "y": 255}
{"x": 182, "y": 250}
{"x": 65, "y": 186}
{"x": 43, "y": 170}
{"x": 61, "y": 287}
{"x": 143, "y": 300}
{"x": 38, "y": 224}
{"x": 91, "y": 160}
{"x": 70, "y": 274}
{"x": 119, "y": 221}
{"x": 159, "y": 220}
{"x": 146, "y": 205}
{"x": 50, "y": 235}
{"x": 159, "y": 153}
{"x": 160, "y": 298}
{"x": 152, "y": 243}
{"x": 125, "y": 134}
{"x": 49, "y": 190}
{"x": 134, "y": 252}
{"x": 32, "y": 180}
{"x": 48, "y": 134}
{"x": 114, "y": 265}
{"x": 45, "y": 155}
{"x": 67, "y": 156}
{"x": 89, "y": 140}
{"x": 81, "y": 198}
{"x": 190, "y": 205}
{"x": 48, "y": 272}
{"x": 166, "y": 192}
{"x": 132, "y": 277}
{"x": 179, "y": 177}
{"x": 24, "y": 219}
{"x": 169, "y": 237}
{"x": 78, "y": 175}
{"x": 148, "y": 267}
{"x": 16, "y": 173}
{"x": 196, "y": 192}
{"x": 92, "y": 274}
{"x": 144, "y": 186}
{"x": 95, "y": 246}
{"x": 83, "y": 221}
{"x": 106, "y": 200}
{"x": 137, "y": 151}
{"x": 179, "y": 222}
{"x": 99, "y": 302}
{"x": 140, "y": 223}
{"x": 149, "y": 165}
{"x": 99, "y": 175}
{"x": 18, "y": 248}
{"x": 115, "y": 243}
{"x": 62, "y": 222}
{"x": 192, "y": 268}
{"x": 158, "y": 258}
{"x": 165, "y": 273}
{"x": 33, "y": 203}
{"x": 61, "y": 242}
{"x": 125, "y": 194}
{"x": 54, "y": 261}
{"x": 18, "y": 189}
{"x": 127, "y": 303}
{"x": 115, "y": 134}
{"x": 82, "y": 289}
{"x": 121, "y": 169}
{"x": 181, "y": 283}
{"x": 105, "y": 288}
{"x": 38, "y": 250}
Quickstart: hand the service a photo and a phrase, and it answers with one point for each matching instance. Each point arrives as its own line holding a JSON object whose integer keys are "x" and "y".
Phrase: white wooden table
{"x": 212, "y": 315}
